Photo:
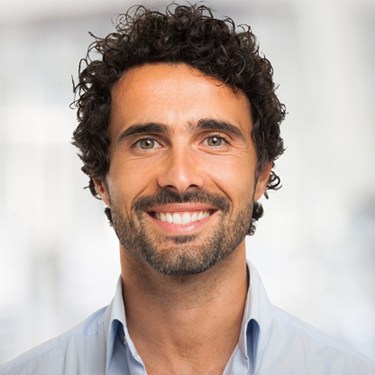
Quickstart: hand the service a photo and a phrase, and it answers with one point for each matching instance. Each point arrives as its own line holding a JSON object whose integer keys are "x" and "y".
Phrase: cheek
{"x": 128, "y": 180}
{"x": 235, "y": 177}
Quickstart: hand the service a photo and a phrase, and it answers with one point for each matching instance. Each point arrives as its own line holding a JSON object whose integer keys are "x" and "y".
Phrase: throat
{"x": 180, "y": 338}
{"x": 175, "y": 320}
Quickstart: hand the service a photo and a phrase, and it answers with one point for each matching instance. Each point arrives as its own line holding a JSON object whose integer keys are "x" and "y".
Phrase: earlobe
{"x": 262, "y": 181}
{"x": 102, "y": 190}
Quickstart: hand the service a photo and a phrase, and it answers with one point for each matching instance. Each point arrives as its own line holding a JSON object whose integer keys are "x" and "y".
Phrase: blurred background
{"x": 315, "y": 246}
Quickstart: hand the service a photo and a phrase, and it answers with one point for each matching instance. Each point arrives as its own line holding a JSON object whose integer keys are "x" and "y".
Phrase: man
{"x": 178, "y": 132}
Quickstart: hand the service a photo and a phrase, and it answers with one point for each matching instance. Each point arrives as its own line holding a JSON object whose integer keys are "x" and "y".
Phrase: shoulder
{"x": 59, "y": 355}
{"x": 310, "y": 350}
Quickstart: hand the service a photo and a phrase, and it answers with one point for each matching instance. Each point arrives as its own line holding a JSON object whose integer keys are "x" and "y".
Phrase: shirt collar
{"x": 257, "y": 319}
{"x": 114, "y": 321}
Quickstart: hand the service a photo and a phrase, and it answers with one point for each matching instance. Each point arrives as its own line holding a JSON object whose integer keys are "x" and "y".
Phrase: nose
{"x": 181, "y": 171}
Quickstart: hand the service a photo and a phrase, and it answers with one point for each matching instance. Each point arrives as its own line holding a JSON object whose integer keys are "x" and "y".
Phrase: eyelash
{"x": 218, "y": 137}
{"x": 138, "y": 142}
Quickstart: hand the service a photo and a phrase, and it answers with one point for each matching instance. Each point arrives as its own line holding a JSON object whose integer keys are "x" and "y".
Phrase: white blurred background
{"x": 315, "y": 246}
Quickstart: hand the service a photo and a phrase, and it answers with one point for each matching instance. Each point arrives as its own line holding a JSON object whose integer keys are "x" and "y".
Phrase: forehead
{"x": 175, "y": 95}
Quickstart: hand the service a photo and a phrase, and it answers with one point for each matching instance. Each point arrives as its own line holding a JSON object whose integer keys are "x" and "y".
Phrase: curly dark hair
{"x": 183, "y": 34}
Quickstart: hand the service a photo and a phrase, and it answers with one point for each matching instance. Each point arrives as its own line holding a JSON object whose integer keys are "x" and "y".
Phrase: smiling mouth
{"x": 181, "y": 218}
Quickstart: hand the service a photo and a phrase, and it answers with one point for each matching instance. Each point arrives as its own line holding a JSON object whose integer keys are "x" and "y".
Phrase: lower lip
{"x": 183, "y": 228}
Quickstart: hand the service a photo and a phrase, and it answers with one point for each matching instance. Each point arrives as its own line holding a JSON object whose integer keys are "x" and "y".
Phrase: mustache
{"x": 167, "y": 196}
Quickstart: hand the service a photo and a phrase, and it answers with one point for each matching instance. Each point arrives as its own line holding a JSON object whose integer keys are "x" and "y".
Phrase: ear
{"x": 262, "y": 181}
{"x": 102, "y": 189}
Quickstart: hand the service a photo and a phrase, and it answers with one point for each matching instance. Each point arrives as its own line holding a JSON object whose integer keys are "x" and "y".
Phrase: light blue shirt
{"x": 271, "y": 342}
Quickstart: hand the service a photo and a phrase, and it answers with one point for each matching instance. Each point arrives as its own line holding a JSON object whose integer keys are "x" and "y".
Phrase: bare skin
{"x": 185, "y": 325}
{"x": 188, "y": 324}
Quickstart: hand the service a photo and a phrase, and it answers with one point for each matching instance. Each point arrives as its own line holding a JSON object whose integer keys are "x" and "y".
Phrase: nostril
{"x": 180, "y": 187}
{"x": 180, "y": 173}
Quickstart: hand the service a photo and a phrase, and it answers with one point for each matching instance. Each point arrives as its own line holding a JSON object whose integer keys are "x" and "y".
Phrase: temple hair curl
{"x": 183, "y": 34}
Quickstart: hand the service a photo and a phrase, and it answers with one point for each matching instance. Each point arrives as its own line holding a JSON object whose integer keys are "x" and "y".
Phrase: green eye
{"x": 215, "y": 141}
{"x": 146, "y": 144}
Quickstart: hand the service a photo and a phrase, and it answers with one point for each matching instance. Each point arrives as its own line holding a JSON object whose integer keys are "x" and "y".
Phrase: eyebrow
{"x": 150, "y": 127}
{"x": 211, "y": 124}
{"x": 157, "y": 128}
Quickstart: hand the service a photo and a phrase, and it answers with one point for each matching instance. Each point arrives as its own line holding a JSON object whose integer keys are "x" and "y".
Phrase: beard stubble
{"x": 186, "y": 254}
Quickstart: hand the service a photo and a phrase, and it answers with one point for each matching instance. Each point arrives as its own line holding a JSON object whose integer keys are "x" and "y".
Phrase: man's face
{"x": 181, "y": 182}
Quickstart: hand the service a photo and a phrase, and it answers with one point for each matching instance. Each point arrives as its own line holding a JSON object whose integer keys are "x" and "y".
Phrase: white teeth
{"x": 177, "y": 219}
{"x": 181, "y": 218}
{"x": 185, "y": 218}
{"x": 169, "y": 218}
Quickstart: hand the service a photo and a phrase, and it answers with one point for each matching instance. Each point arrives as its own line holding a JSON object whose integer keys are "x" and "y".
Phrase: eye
{"x": 215, "y": 141}
{"x": 147, "y": 144}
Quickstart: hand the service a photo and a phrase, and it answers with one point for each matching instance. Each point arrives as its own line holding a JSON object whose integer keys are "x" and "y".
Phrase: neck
{"x": 175, "y": 321}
